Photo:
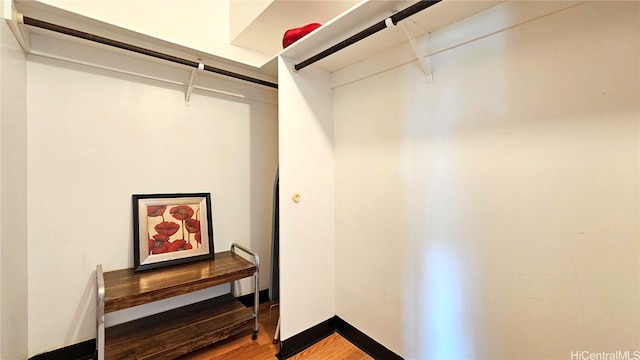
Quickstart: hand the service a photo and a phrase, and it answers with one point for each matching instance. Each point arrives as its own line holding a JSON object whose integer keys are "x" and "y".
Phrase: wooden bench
{"x": 176, "y": 332}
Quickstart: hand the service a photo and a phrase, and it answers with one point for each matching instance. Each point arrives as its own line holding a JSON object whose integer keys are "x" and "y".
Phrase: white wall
{"x": 95, "y": 138}
{"x": 13, "y": 193}
{"x": 243, "y": 13}
{"x": 307, "y": 276}
{"x": 494, "y": 213}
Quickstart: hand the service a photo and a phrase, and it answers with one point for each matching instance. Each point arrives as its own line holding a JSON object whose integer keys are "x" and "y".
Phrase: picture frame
{"x": 171, "y": 229}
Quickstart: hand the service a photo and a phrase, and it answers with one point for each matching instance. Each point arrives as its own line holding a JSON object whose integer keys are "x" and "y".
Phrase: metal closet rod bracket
{"x": 140, "y": 50}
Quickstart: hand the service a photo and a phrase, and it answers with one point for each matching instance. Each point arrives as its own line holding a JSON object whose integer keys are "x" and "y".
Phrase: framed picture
{"x": 170, "y": 229}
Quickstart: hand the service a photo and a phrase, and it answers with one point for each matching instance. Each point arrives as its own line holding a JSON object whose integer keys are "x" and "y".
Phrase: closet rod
{"x": 114, "y": 43}
{"x": 394, "y": 19}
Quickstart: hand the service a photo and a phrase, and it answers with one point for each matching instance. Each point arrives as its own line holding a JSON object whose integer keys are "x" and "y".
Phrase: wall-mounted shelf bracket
{"x": 192, "y": 78}
{"x": 420, "y": 47}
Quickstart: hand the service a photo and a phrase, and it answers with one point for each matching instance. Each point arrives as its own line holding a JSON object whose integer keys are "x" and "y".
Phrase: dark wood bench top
{"x": 124, "y": 288}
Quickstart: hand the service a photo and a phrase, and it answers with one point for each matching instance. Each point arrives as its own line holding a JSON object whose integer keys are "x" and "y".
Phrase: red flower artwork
{"x": 153, "y": 211}
{"x": 167, "y": 228}
{"x": 192, "y": 225}
{"x": 178, "y": 245}
{"x": 181, "y": 212}
{"x": 170, "y": 235}
{"x": 159, "y": 244}
{"x": 161, "y": 237}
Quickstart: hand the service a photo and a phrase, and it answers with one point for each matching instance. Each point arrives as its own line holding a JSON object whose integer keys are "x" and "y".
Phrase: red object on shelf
{"x": 293, "y": 35}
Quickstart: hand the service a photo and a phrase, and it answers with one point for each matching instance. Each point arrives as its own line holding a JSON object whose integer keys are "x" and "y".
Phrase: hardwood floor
{"x": 333, "y": 347}
{"x": 241, "y": 347}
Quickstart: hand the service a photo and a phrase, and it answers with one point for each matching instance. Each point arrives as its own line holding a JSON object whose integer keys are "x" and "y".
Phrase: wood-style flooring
{"x": 333, "y": 347}
{"x": 241, "y": 347}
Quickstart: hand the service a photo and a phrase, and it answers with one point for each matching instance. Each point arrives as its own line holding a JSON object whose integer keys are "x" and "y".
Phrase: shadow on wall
{"x": 263, "y": 135}
{"x": 85, "y": 314}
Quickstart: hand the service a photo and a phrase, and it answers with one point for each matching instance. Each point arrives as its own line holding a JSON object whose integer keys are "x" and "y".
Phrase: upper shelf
{"x": 368, "y": 13}
{"x": 449, "y": 23}
{"x": 435, "y": 19}
{"x": 101, "y": 18}
{"x": 229, "y": 57}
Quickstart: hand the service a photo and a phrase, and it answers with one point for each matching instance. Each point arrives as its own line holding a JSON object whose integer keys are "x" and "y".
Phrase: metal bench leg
{"x": 256, "y": 304}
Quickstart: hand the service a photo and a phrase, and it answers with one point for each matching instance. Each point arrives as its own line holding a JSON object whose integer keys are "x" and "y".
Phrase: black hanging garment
{"x": 274, "y": 289}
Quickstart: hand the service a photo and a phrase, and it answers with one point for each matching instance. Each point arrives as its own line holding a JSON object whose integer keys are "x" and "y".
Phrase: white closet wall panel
{"x": 97, "y": 137}
{"x": 307, "y": 289}
{"x": 494, "y": 213}
{"x": 13, "y": 194}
